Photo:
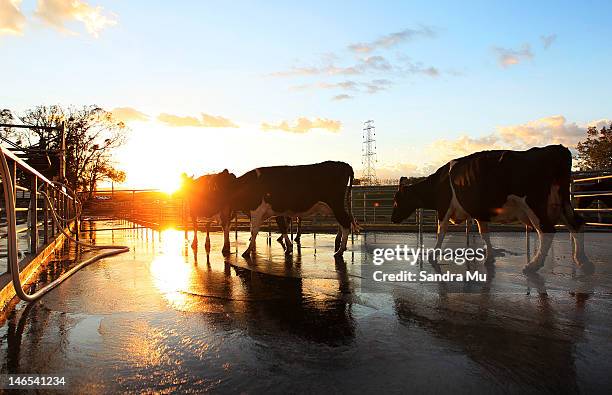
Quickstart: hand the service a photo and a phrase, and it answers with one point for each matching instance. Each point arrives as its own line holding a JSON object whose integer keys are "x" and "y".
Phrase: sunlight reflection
{"x": 170, "y": 270}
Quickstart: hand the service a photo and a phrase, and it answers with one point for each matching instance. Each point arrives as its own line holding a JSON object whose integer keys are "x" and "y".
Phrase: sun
{"x": 170, "y": 184}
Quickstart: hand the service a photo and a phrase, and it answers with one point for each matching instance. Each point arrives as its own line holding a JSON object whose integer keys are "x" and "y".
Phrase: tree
{"x": 595, "y": 153}
{"x": 91, "y": 136}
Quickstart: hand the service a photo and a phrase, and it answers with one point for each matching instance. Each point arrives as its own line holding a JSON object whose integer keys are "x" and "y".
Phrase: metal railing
{"x": 32, "y": 211}
{"x": 602, "y": 215}
{"x": 371, "y": 206}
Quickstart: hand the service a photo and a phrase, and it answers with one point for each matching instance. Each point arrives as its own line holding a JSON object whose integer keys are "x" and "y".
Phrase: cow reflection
{"x": 522, "y": 342}
{"x": 312, "y": 309}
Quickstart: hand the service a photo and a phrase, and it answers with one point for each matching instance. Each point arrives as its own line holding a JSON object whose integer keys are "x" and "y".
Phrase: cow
{"x": 198, "y": 190}
{"x": 198, "y": 194}
{"x": 531, "y": 186}
{"x": 287, "y": 191}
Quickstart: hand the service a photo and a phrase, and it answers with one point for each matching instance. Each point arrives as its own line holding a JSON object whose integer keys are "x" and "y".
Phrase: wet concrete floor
{"x": 161, "y": 319}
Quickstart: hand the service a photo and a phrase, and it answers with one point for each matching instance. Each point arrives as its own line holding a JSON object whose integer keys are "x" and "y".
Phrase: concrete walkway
{"x": 160, "y": 318}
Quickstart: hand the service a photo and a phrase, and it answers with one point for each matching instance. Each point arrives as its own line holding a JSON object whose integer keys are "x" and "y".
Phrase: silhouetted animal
{"x": 501, "y": 186}
{"x": 287, "y": 191}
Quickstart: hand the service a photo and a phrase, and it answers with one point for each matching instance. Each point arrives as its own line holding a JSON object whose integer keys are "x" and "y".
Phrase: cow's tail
{"x": 355, "y": 228}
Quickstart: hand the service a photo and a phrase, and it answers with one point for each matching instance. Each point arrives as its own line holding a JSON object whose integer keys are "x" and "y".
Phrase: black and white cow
{"x": 531, "y": 186}
{"x": 287, "y": 191}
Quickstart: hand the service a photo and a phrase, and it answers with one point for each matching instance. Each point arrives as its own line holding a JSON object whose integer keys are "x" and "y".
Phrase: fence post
{"x": 33, "y": 215}
{"x": 46, "y": 216}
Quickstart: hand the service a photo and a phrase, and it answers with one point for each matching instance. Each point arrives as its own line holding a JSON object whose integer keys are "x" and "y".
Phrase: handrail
{"x": 73, "y": 207}
{"x": 28, "y": 168}
{"x": 593, "y": 178}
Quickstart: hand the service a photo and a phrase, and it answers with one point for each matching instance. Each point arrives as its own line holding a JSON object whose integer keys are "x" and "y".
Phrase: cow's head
{"x": 404, "y": 202}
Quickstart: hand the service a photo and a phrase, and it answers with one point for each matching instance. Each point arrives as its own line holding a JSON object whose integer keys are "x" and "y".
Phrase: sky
{"x": 206, "y": 85}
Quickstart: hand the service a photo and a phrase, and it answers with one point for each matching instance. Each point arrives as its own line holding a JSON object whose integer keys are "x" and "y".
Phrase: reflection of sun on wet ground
{"x": 170, "y": 270}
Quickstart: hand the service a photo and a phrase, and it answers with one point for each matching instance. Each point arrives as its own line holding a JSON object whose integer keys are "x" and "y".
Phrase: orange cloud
{"x": 12, "y": 20}
{"x": 540, "y": 132}
{"x": 129, "y": 114}
{"x": 304, "y": 125}
{"x": 57, "y": 13}
{"x": 507, "y": 57}
{"x": 206, "y": 121}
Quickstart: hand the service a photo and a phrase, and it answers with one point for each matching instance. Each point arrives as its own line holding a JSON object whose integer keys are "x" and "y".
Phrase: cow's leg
{"x": 545, "y": 237}
{"x": 207, "y": 243}
{"x": 442, "y": 228}
{"x": 194, "y": 243}
{"x": 226, "y": 243}
{"x": 298, "y": 234}
{"x": 282, "y": 227}
{"x": 258, "y": 216}
{"x": 483, "y": 229}
{"x": 284, "y": 237}
{"x": 344, "y": 219}
{"x": 575, "y": 224}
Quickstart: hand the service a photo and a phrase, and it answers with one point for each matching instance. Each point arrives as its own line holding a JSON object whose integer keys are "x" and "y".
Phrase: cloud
{"x": 393, "y": 172}
{"x": 543, "y": 131}
{"x": 540, "y": 132}
{"x": 129, "y": 114}
{"x": 369, "y": 64}
{"x": 12, "y": 20}
{"x": 376, "y": 86}
{"x": 393, "y": 39}
{"x": 57, "y": 13}
{"x": 211, "y": 121}
{"x": 372, "y": 86}
{"x": 304, "y": 125}
{"x": 343, "y": 96}
{"x": 507, "y": 57}
{"x": 548, "y": 40}
{"x": 206, "y": 121}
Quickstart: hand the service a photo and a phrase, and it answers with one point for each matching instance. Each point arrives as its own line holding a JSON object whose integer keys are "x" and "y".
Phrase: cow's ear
{"x": 403, "y": 182}
{"x": 225, "y": 171}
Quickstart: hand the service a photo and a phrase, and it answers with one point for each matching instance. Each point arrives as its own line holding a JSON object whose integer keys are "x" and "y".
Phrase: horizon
{"x": 250, "y": 89}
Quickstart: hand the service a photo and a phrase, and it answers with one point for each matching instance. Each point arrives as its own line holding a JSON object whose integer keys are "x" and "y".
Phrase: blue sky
{"x": 440, "y": 79}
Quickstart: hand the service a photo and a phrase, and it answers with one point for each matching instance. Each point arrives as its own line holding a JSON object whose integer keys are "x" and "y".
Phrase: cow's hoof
{"x": 297, "y": 240}
{"x": 339, "y": 253}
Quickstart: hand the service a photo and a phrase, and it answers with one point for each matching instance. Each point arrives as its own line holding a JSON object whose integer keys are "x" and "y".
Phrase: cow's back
{"x": 484, "y": 180}
{"x": 296, "y": 188}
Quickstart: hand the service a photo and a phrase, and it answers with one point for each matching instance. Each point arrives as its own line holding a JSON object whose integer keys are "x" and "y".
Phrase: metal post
{"x": 14, "y": 177}
{"x": 599, "y": 219}
{"x": 351, "y": 210}
{"x": 236, "y": 228}
{"x": 132, "y": 210}
{"x": 62, "y": 156}
{"x": 467, "y": 231}
{"x": 46, "y": 216}
{"x": 33, "y": 215}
